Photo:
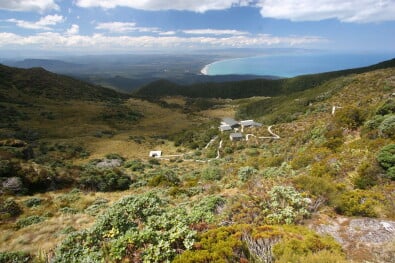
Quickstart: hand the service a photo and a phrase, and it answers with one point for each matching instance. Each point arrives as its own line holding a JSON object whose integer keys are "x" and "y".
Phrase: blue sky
{"x": 89, "y": 26}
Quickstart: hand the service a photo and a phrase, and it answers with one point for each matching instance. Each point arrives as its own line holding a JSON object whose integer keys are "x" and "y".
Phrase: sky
{"x": 89, "y": 26}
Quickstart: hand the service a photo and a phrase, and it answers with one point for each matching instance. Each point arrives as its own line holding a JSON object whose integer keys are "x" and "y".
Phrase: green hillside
{"x": 77, "y": 183}
{"x": 250, "y": 88}
{"x": 39, "y": 83}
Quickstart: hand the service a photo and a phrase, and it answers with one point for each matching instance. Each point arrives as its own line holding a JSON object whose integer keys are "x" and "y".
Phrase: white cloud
{"x": 43, "y": 24}
{"x": 190, "y": 5}
{"x": 215, "y": 32}
{"x": 56, "y": 41}
{"x": 167, "y": 33}
{"x": 29, "y": 5}
{"x": 358, "y": 11}
{"x": 73, "y": 30}
{"x": 123, "y": 27}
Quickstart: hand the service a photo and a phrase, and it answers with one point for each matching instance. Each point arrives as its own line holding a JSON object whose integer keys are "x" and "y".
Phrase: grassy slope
{"x": 300, "y": 151}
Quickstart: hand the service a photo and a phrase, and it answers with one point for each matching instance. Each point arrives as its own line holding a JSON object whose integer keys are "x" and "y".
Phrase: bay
{"x": 291, "y": 65}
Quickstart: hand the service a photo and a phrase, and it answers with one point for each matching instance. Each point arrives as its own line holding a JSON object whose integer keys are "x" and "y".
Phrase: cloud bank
{"x": 23, "y": 5}
{"x": 353, "y": 11}
{"x": 358, "y": 11}
{"x": 54, "y": 41}
{"x": 123, "y": 27}
{"x": 44, "y": 23}
{"x": 155, "y": 5}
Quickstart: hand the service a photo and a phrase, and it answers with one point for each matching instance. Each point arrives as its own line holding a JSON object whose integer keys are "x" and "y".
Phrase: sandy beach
{"x": 204, "y": 70}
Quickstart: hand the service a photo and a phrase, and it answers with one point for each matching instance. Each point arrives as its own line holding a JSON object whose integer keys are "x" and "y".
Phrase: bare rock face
{"x": 109, "y": 163}
{"x": 363, "y": 239}
{"x": 12, "y": 185}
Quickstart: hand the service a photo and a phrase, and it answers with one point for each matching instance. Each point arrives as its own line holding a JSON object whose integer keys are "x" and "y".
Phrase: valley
{"x": 78, "y": 185}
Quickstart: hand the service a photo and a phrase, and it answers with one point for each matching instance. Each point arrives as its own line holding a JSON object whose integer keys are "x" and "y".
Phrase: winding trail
{"x": 219, "y": 147}
{"x": 274, "y": 136}
{"x": 249, "y": 135}
{"x": 210, "y": 142}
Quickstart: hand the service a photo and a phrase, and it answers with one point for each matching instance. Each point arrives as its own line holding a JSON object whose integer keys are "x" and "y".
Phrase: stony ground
{"x": 361, "y": 236}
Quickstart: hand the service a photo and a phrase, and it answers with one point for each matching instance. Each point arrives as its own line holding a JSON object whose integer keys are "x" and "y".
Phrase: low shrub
{"x": 135, "y": 165}
{"x": 387, "y": 108}
{"x": 247, "y": 243}
{"x": 302, "y": 245}
{"x": 6, "y": 168}
{"x": 212, "y": 174}
{"x": 318, "y": 187}
{"x": 15, "y": 257}
{"x": 350, "y": 117}
{"x": 246, "y": 173}
{"x": 286, "y": 205}
{"x": 218, "y": 245}
{"x": 96, "y": 206}
{"x": 104, "y": 180}
{"x": 358, "y": 203}
{"x": 138, "y": 228}
{"x": 369, "y": 173}
{"x": 68, "y": 210}
{"x": 387, "y": 127}
{"x": 164, "y": 178}
{"x": 32, "y": 202}
{"x": 386, "y": 158}
{"x": 27, "y": 221}
{"x": 9, "y": 208}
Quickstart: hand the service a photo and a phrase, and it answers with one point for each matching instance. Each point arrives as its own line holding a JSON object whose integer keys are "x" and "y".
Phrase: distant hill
{"x": 249, "y": 88}
{"x": 37, "y": 82}
{"x": 57, "y": 66}
{"x": 127, "y": 84}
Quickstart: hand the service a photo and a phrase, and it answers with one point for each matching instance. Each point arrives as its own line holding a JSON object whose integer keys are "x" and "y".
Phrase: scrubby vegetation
{"x": 93, "y": 194}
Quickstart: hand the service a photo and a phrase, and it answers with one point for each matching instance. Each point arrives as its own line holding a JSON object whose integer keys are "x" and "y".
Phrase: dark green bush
{"x": 135, "y": 165}
{"x": 36, "y": 178}
{"x": 334, "y": 137}
{"x": 154, "y": 161}
{"x": 165, "y": 178}
{"x": 387, "y": 127}
{"x": 9, "y": 208}
{"x": 116, "y": 156}
{"x": 386, "y": 159}
{"x": 6, "y": 168}
{"x": 104, "y": 180}
{"x": 387, "y": 108}
{"x": 391, "y": 173}
{"x": 27, "y": 221}
{"x": 35, "y": 201}
{"x": 368, "y": 175}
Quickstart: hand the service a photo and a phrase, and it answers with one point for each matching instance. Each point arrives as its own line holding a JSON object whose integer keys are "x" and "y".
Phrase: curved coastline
{"x": 205, "y": 69}
{"x": 291, "y": 65}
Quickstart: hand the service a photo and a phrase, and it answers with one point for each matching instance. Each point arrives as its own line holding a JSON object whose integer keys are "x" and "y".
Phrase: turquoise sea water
{"x": 291, "y": 65}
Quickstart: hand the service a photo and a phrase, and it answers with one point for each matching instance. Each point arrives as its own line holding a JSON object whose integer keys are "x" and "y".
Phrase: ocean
{"x": 291, "y": 65}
